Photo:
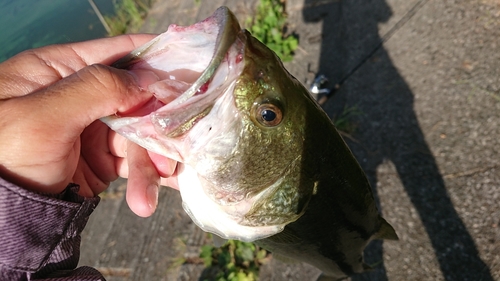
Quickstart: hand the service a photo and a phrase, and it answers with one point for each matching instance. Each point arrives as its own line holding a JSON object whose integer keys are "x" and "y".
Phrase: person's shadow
{"x": 389, "y": 130}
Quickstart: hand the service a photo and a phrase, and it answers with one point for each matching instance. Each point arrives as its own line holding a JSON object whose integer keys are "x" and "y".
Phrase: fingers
{"x": 143, "y": 182}
{"x": 117, "y": 144}
{"x": 118, "y": 147}
{"x": 35, "y": 69}
{"x": 98, "y": 91}
{"x": 48, "y": 123}
{"x": 171, "y": 182}
{"x": 135, "y": 163}
{"x": 123, "y": 171}
{"x": 108, "y": 50}
{"x": 165, "y": 166}
{"x": 96, "y": 155}
{"x": 75, "y": 102}
{"x": 42, "y": 114}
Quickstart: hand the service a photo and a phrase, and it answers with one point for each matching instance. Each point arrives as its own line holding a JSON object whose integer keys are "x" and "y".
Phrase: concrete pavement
{"x": 428, "y": 137}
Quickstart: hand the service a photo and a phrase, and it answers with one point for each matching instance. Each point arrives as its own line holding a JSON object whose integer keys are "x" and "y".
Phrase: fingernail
{"x": 152, "y": 195}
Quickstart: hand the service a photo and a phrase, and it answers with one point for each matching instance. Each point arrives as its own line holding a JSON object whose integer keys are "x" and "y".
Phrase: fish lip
{"x": 228, "y": 32}
{"x": 229, "y": 28}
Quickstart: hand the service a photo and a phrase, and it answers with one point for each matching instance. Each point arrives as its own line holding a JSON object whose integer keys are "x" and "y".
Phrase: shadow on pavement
{"x": 389, "y": 130}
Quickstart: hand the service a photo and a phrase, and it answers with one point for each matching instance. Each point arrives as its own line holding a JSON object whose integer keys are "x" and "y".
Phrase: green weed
{"x": 129, "y": 17}
{"x": 269, "y": 26}
{"x": 343, "y": 122}
{"x": 235, "y": 261}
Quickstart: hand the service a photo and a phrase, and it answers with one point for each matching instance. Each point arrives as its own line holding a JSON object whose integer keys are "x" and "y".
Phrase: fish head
{"x": 227, "y": 110}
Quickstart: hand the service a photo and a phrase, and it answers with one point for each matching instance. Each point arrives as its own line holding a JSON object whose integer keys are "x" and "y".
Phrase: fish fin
{"x": 284, "y": 259}
{"x": 285, "y": 237}
{"x": 218, "y": 241}
{"x": 323, "y": 277}
{"x": 386, "y": 231}
{"x": 370, "y": 267}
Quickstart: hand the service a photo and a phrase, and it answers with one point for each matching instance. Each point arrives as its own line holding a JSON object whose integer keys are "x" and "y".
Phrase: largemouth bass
{"x": 267, "y": 163}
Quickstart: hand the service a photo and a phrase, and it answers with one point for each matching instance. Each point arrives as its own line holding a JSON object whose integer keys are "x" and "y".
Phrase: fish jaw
{"x": 222, "y": 220}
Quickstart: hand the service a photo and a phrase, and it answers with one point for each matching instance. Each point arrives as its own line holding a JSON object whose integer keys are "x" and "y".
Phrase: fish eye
{"x": 268, "y": 115}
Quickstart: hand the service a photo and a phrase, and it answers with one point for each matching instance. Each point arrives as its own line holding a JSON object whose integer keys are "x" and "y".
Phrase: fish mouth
{"x": 187, "y": 62}
{"x": 228, "y": 28}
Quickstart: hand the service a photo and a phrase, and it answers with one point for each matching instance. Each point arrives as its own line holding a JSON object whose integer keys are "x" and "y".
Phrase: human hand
{"x": 50, "y": 102}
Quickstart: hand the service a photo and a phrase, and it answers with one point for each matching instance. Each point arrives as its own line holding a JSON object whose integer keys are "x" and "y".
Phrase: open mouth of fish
{"x": 197, "y": 68}
{"x": 193, "y": 64}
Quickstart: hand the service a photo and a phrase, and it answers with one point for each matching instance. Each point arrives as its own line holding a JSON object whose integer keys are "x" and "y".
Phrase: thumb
{"x": 76, "y": 101}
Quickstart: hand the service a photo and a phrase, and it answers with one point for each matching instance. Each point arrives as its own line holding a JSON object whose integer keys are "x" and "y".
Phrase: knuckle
{"x": 113, "y": 81}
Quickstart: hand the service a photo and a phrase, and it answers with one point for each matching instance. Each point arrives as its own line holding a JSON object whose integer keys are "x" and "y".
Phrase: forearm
{"x": 40, "y": 234}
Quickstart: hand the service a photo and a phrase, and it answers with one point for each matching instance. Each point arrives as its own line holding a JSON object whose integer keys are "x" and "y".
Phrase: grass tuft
{"x": 235, "y": 261}
{"x": 269, "y": 26}
{"x": 343, "y": 122}
{"x": 129, "y": 17}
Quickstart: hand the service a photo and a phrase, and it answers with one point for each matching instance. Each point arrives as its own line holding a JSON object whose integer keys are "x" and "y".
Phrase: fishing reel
{"x": 318, "y": 86}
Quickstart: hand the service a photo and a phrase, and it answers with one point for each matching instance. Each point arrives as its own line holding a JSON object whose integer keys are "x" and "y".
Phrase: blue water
{"x": 27, "y": 24}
